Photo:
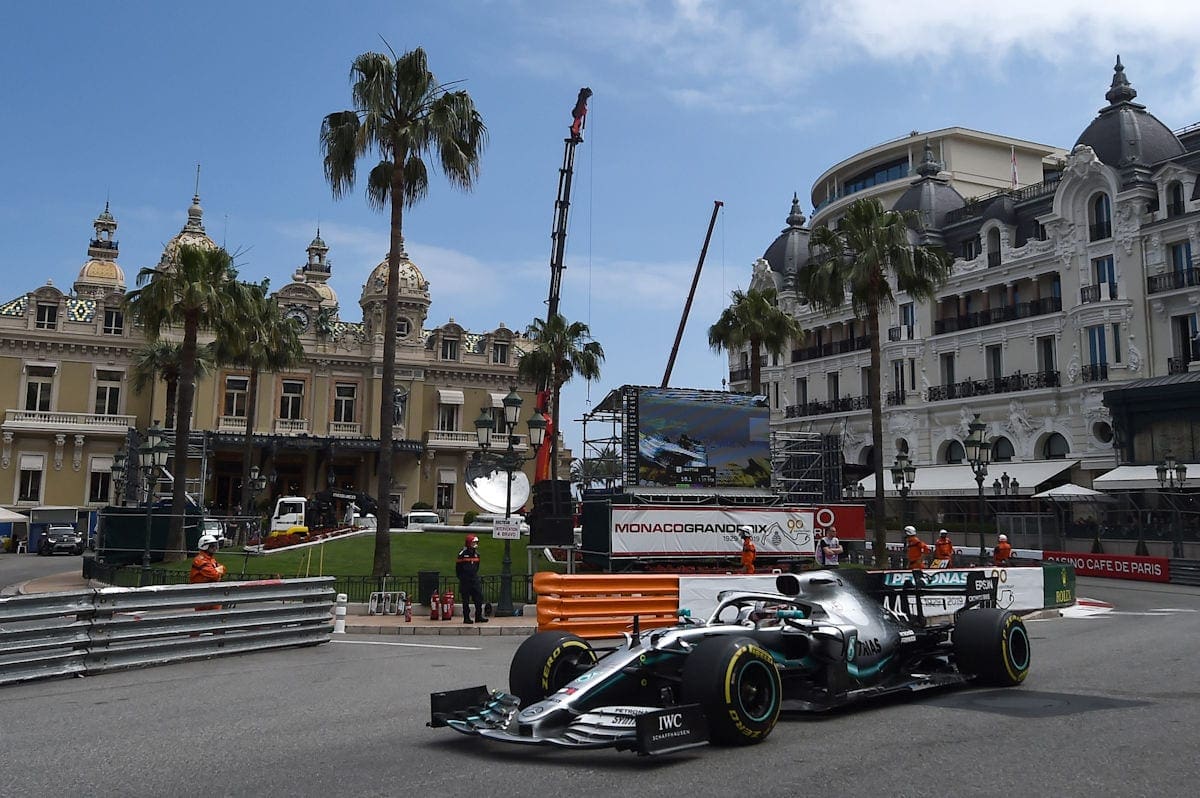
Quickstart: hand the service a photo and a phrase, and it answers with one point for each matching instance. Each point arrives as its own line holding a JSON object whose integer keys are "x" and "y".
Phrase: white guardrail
{"x": 86, "y": 632}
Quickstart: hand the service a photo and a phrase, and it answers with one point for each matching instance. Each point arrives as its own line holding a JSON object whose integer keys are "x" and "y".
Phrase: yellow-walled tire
{"x": 546, "y": 662}
{"x": 992, "y": 645}
{"x": 736, "y": 682}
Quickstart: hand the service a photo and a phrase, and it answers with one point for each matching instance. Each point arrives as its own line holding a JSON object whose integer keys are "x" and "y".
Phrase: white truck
{"x": 289, "y": 516}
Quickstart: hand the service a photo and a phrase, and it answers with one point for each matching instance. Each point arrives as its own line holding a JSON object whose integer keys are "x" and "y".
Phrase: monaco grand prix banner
{"x": 666, "y": 530}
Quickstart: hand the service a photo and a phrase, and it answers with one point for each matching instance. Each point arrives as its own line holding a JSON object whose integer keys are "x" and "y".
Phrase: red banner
{"x": 1114, "y": 566}
{"x": 850, "y": 519}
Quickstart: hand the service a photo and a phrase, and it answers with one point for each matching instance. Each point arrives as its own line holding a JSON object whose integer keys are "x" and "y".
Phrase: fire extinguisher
{"x": 407, "y": 608}
{"x": 435, "y": 601}
{"x": 447, "y": 605}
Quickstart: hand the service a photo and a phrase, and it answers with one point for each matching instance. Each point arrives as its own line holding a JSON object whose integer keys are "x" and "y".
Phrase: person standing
{"x": 829, "y": 548}
{"x": 1003, "y": 551}
{"x": 915, "y": 548}
{"x": 466, "y": 568}
{"x": 205, "y": 567}
{"x": 749, "y": 550}
{"x": 943, "y": 550}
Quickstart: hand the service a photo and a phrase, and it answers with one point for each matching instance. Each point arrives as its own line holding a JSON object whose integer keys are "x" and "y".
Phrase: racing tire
{"x": 546, "y": 662}
{"x": 992, "y": 645}
{"x": 736, "y": 683}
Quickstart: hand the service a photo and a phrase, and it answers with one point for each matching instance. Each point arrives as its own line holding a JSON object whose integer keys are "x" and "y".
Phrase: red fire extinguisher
{"x": 435, "y": 601}
{"x": 447, "y": 605}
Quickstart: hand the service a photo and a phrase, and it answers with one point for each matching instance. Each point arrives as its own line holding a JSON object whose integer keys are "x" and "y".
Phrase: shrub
{"x": 469, "y": 517}
{"x": 422, "y": 506}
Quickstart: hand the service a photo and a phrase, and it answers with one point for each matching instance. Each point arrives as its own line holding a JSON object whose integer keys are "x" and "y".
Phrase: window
{"x": 884, "y": 173}
{"x": 1116, "y": 333}
{"x": 447, "y": 418}
{"x": 1055, "y": 447}
{"x": 29, "y": 485}
{"x": 47, "y": 317}
{"x": 1038, "y": 231}
{"x": 1100, "y": 218}
{"x": 864, "y": 381}
{"x": 955, "y": 453}
{"x": 403, "y": 327}
{"x": 449, "y": 349}
{"x": 1097, "y": 350}
{"x": 947, "y": 365}
{"x": 1181, "y": 256}
{"x": 898, "y": 375}
{"x": 344, "y": 397}
{"x": 995, "y": 363}
{"x": 833, "y": 386}
{"x": 445, "y": 496}
{"x": 291, "y": 402}
{"x": 1175, "y": 205}
{"x": 908, "y": 315}
{"x": 114, "y": 321}
{"x": 970, "y": 248}
{"x": 499, "y": 353}
{"x": 39, "y": 385}
{"x": 1002, "y": 450}
{"x": 99, "y": 487}
{"x": 802, "y": 390}
{"x": 235, "y": 396}
{"x": 1045, "y": 354}
{"x": 1103, "y": 271}
{"x": 775, "y": 395}
{"x": 108, "y": 393}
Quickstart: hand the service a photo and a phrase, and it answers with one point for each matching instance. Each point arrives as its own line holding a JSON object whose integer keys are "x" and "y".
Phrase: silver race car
{"x": 822, "y": 641}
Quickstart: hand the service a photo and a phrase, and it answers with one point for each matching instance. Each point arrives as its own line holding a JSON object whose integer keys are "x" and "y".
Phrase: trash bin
{"x": 89, "y": 565}
{"x": 427, "y": 585}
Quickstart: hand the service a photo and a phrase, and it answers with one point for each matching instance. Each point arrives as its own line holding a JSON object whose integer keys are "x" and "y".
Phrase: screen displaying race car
{"x": 817, "y": 643}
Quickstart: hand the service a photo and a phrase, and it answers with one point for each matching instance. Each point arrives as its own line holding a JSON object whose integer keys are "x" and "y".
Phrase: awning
{"x": 497, "y": 399}
{"x": 447, "y": 476}
{"x": 959, "y": 480}
{"x": 448, "y": 396}
{"x": 1071, "y": 493}
{"x": 1141, "y": 477}
{"x": 9, "y": 517}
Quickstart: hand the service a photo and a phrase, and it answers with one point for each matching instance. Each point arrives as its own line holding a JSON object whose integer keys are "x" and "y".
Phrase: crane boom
{"x": 562, "y": 205}
{"x": 687, "y": 307}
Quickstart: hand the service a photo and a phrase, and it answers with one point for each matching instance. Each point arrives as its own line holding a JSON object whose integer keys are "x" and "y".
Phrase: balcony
{"x": 844, "y": 405}
{"x": 1100, "y": 231}
{"x": 895, "y": 398}
{"x": 79, "y": 423}
{"x": 1010, "y": 384}
{"x": 231, "y": 424}
{"x": 983, "y": 318}
{"x": 832, "y": 348}
{"x": 739, "y": 375}
{"x": 905, "y": 332}
{"x": 1099, "y": 292}
{"x": 291, "y": 426}
{"x": 1180, "y": 278}
{"x": 1094, "y": 372}
{"x": 1175, "y": 209}
{"x": 345, "y": 429}
{"x": 1178, "y": 365}
{"x": 993, "y": 259}
{"x": 463, "y": 440}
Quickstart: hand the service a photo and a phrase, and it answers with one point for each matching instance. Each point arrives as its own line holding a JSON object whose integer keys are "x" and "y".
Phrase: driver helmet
{"x": 471, "y": 540}
{"x": 746, "y": 531}
{"x": 208, "y": 539}
{"x": 910, "y": 530}
{"x": 1004, "y": 538}
{"x": 943, "y": 534}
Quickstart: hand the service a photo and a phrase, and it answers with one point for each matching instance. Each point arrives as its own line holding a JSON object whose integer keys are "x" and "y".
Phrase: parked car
{"x": 61, "y": 538}
{"x": 418, "y": 519}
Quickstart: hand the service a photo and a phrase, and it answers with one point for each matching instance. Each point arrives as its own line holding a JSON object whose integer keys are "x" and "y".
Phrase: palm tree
{"x": 755, "y": 319}
{"x": 869, "y": 250}
{"x": 604, "y": 467}
{"x": 199, "y": 288}
{"x": 160, "y": 359}
{"x": 261, "y": 340}
{"x": 560, "y": 351}
{"x": 402, "y": 112}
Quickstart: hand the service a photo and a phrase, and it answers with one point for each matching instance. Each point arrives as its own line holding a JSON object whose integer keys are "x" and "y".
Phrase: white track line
{"x": 408, "y": 645}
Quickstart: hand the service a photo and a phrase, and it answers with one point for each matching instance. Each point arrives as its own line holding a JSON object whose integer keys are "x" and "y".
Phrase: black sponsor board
{"x": 672, "y": 729}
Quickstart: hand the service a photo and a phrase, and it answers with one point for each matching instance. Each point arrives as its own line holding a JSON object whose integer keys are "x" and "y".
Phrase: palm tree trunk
{"x": 383, "y": 545}
{"x": 880, "y": 544}
{"x": 755, "y": 367}
{"x": 248, "y": 445}
{"x": 184, "y": 396}
{"x": 172, "y": 399}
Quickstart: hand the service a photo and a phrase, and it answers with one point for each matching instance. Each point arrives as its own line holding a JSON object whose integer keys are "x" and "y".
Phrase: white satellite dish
{"x": 488, "y": 486}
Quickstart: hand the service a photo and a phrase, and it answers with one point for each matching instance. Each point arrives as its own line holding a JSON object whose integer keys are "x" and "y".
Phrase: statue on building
{"x": 399, "y": 404}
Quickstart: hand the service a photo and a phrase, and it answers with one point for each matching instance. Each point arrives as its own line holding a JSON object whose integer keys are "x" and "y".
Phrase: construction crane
{"x": 562, "y": 205}
{"x": 687, "y": 307}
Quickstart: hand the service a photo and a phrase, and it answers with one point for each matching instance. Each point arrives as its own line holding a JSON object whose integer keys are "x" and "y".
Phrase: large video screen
{"x": 702, "y": 439}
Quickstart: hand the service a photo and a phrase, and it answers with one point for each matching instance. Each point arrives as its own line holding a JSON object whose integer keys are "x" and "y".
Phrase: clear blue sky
{"x": 697, "y": 101}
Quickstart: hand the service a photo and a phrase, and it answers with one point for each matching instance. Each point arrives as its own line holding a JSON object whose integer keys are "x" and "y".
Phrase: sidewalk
{"x": 358, "y": 622}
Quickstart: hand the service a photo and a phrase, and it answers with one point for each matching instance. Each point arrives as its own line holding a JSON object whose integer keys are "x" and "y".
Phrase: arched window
{"x": 1002, "y": 450}
{"x": 1175, "y": 205}
{"x": 1055, "y": 447}
{"x": 993, "y": 247}
{"x": 867, "y": 457}
{"x": 955, "y": 453}
{"x": 1100, "y": 218}
{"x": 901, "y": 446}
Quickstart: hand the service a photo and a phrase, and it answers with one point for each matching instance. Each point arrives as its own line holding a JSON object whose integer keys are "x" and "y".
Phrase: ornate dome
{"x": 192, "y": 233}
{"x": 930, "y": 195}
{"x": 1125, "y": 134}
{"x": 412, "y": 281}
{"x": 101, "y": 274}
{"x": 789, "y": 251}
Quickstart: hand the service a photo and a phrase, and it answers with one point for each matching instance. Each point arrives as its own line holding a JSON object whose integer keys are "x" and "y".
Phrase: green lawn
{"x": 411, "y": 552}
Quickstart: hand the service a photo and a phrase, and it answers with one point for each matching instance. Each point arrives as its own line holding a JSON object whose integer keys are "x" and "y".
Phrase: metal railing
{"x": 1094, "y": 372}
{"x": 1009, "y": 384}
{"x": 1180, "y": 278}
{"x": 87, "y": 632}
{"x": 843, "y": 405}
{"x": 1099, "y": 231}
{"x": 905, "y": 332}
{"x": 993, "y": 259}
{"x": 841, "y": 347}
{"x": 1096, "y": 293}
{"x": 983, "y": 318}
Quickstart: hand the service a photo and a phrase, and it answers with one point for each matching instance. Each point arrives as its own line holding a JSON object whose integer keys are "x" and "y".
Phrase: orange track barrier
{"x": 603, "y": 605}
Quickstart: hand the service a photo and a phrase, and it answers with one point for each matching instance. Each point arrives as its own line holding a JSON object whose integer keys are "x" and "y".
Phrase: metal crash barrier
{"x": 602, "y": 605}
{"x": 86, "y": 632}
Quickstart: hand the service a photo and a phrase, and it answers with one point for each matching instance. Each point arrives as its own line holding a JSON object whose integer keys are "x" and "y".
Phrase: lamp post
{"x": 258, "y": 483}
{"x": 152, "y": 456}
{"x": 904, "y": 474}
{"x": 119, "y": 476}
{"x": 1173, "y": 474}
{"x": 979, "y": 452}
{"x": 510, "y": 462}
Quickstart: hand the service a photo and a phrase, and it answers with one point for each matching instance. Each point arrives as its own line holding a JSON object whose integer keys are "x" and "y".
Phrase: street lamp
{"x": 510, "y": 462}
{"x": 258, "y": 483}
{"x": 152, "y": 456}
{"x": 979, "y": 453}
{"x": 1173, "y": 474}
{"x": 119, "y": 476}
{"x": 904, "y": 474}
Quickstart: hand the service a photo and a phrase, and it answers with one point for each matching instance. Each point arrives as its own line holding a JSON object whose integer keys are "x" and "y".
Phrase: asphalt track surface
{"x": 1110, "y": 709}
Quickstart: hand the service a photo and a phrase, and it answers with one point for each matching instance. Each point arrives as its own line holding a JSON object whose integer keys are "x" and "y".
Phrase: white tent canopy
{"x": 1073, "y": 493}
{"x": 9, "y": 517}
{"x": 1141, "y": 477}
{"x": 959, "y": 480}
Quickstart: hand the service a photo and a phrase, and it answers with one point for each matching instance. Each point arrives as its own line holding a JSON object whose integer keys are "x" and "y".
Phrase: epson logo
{"x": 670, "y": 722}
{"x": 983, "y": 584}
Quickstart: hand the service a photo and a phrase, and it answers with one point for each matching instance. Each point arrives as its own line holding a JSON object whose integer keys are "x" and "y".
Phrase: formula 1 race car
{"x": 819, "y": 643}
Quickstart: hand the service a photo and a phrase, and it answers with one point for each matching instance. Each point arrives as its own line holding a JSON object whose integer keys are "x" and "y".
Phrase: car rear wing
{"x": 921, "y": 594}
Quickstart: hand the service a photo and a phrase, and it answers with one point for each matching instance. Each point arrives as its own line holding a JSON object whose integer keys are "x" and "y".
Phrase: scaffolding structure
{"x": 799, "y": 472}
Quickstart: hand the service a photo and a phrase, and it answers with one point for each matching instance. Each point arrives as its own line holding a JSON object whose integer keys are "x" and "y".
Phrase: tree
{"x": 160, "y": 359}
{"x": 560, "y": 351}
{"x": 604, "y": 467}
{"x": 198, "y": 288}
{"x": 261, "y": 340}
{"x": 404, "y": 114}
{"x": 861, "y": 259}
{"x": 755, "y": 319}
